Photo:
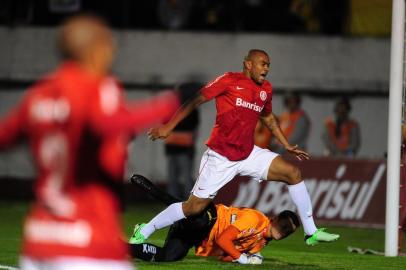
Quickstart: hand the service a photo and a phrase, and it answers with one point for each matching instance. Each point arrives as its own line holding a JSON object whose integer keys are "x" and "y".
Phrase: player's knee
{"x": 198, "y": 208}
{"x": 192, "y": 208}
{"x": 294, "y": 175}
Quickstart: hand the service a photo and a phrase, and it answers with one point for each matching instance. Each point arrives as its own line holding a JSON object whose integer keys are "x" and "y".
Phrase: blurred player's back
{"x": 78, "y": 128}
{"x": 73, "y": 188}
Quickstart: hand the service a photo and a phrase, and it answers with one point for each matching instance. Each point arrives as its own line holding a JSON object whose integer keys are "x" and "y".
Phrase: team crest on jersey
{"x": 262, "y": 95}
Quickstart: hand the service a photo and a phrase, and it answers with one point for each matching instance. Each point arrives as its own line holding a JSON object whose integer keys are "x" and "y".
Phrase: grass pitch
{"x": 288, "y": 254}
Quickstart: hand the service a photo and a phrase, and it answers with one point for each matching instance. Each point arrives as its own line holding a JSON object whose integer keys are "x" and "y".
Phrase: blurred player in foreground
{"x": 241, "y": 99}
{"x": 78, "y": 127}
{"x": 221, "y": 231}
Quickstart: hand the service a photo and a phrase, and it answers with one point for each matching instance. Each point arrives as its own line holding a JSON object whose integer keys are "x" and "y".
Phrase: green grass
{"x": 290, "y": 254}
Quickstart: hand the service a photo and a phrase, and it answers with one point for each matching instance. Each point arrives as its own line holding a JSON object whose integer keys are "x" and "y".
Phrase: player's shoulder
{"x": 250, "y": 213}
{"x": 43, "y": 86}
{"x": 255, "y": 215}
{"x": 267, "y": 86}
{"x": 224, "y": 78}
{"x": 229, "y": 76}
{"x": 235, "y": 75}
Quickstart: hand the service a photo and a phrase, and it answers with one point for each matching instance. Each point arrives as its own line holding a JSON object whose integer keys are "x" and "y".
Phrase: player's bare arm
{"x": 270, "y": 121}
{"x": 163, "y": 131}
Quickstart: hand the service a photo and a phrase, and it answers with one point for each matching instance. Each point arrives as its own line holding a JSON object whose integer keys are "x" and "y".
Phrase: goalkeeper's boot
{"x": 137, "y": 237}
{"x": 320, "y": 236}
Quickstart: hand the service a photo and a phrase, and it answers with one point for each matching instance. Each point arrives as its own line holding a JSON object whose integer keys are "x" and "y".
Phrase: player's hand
{"x": 158, "y": 133}
{"x": 299, "y": 153}
{"x": 255, "y": 258}
{"x": 250, "y": 259}
{"x": 243, "y": 259}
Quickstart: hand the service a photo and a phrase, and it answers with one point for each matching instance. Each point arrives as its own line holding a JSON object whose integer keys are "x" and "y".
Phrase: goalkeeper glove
{"x": 250, "y": 258}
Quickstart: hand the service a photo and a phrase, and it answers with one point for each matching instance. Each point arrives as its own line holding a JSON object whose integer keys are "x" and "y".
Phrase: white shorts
{"x": 217, "y": 170}
{"x": 73, "y": 263}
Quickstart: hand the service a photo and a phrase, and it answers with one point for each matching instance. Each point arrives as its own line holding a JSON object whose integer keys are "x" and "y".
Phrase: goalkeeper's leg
{"x": 176, "y": 251}
{"x": 145, "y": 184}
{"x": 162, "y": 196}
{"x": 177, "y": 245}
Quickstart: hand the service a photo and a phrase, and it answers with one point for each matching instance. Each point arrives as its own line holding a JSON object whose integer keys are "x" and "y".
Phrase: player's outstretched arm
{"x": 135, "y": 117}
{"x": 271, "y": 122}
{"x": 162, "y": 132}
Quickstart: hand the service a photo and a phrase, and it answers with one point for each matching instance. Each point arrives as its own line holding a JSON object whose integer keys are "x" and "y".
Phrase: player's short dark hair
{"x": 254, "y": 51}
{"x": 292, "y": 95}
{"x": 343, "y": 101}
{"x": 287, "y": 222}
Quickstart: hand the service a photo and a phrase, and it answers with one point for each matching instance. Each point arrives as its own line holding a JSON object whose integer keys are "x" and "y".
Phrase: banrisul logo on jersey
{"x": 343, "y": 192}
{"x": 252, "y": 106}
{"x": 262, "y": 95}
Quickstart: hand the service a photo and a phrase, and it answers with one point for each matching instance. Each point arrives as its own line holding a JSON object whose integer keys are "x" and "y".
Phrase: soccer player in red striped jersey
{"x": 78, "y": 126}
{"x": 241, "y": 99}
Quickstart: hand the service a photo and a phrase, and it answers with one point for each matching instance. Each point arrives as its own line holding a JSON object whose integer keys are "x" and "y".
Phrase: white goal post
{"x": 394, "y": 128}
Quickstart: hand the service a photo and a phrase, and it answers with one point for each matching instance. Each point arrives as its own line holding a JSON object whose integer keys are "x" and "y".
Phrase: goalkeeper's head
{"x": 284, "y": 224}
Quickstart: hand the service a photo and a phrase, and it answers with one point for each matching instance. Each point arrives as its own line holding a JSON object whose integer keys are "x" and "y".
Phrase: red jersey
{"x": 239, "y": 103}
{"x": 78, "y": 127}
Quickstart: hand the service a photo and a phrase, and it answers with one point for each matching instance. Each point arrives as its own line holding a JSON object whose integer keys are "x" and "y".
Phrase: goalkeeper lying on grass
{"x": 230, "y": 233}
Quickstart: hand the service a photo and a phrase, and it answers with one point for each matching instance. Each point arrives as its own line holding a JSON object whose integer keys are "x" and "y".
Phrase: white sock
{"x": 301, "y": 198}
{"x": 170, "y": 215}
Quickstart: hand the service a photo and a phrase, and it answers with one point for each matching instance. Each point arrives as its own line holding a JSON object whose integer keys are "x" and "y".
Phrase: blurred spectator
{"x": 332, "y": 15}
{"x": 78, "y": 127}
{"x": 15, "y": 13}
{"x": 174, "y": 14}
{"x": 404, "y": 129}
{"x": 294, "y": 123}
{"x": 64, "y": 5}
{"x": 180, "y": 150}
{"x": 307, "y": 11}
{"x": 358, "y": 17}
{"x": 369, "y": 17}
{"x": 404, "y": 132}
{"x": 341, "y": 135}
{"x": 276, "y": 16}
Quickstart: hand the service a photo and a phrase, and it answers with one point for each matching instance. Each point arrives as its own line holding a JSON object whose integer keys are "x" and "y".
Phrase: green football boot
{"x": 320, "y": 236}
{"x": 137, "y": 237}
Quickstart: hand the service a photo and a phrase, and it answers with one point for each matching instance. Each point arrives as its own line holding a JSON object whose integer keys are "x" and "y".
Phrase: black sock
{"x": 145, "y": 252}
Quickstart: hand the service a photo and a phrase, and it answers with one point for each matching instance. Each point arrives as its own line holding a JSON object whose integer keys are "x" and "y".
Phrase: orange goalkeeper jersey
{"x": 252, "y": 224}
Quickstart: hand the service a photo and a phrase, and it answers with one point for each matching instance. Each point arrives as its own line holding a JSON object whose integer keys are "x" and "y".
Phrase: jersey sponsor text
{"x": 252, "y": 106}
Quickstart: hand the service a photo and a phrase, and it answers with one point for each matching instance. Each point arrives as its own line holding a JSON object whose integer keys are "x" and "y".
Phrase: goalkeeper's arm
{"x": 226, "y": 243}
